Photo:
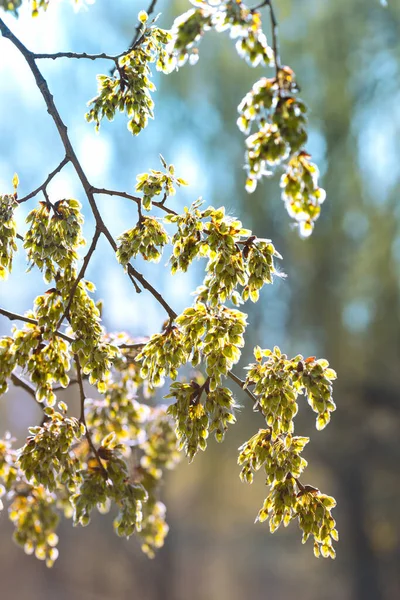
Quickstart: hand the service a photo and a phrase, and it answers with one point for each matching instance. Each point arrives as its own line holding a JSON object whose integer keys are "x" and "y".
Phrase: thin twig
{"x": 19, "y": 382}
{"x": 275, "y": 37}
{"x": 274, "y": 30}
{"x": 261, "y": 5}
{"x": 242, "y": 384}
{"x": 140, "y": 214}
{"x": 44, "y": 185}
{"x": 134, "y": 274}
{"x": 16, "y": 317}
{"x": 79, "y": 55}
{"x": 80, "y": 275}
{"x": 71, "y": 155}
{"x": 134, "y": 282}
{"x": 82, "y": 418}
{"x": 136, "y": 346}
{"x": 106, "y": 192}
{"x": 136, "y": 38}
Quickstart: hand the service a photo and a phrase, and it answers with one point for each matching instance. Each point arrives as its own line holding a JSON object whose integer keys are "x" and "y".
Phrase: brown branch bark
{"x": 80, "y": 275}
{"x": 275, "y": 37}
{"x": 82, "y": 418}
{"x": 42, "y": 188}
{"x": 242, "y": 384}
{"x": 159, "y": 204}
{"x": 19, "y": 382}
{"x": 16, "y": 317}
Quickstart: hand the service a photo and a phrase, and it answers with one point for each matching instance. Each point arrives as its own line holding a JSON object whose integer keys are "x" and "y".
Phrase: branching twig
{"x": 134, "y": 274}
{"x": 16, "y": 317}
{"x": 106, "y": 192}
{"x": 136, "y": 37}
{"x": 71, "y": 155}
{"x": 80, "y": 275}
{"x": 82, "y": 418}
{"x": 44, "y": 185}
{"x": 18, "y": 382}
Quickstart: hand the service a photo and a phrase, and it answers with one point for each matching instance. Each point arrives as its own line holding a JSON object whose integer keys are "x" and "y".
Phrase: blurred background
{"x": 341, "y": 298}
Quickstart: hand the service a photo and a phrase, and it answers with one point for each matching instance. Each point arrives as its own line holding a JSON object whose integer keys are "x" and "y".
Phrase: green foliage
{"x": 279, "y": 457}
{"x": 7, "y": 362}
{"x": 301, "y": 193}
{"x": 47, "y": 458}
{"x": 117, "y": 451}
{"x": 278, "y": 381}
{"x": 8, "y": 232}
{"x": 156, "y": 182}
{"x": 216, "y": 334}
{"x": 128, "y": 90}
{"x": 54, "y": 235}
{"x": 271, "y": 106}
{"x": 243, "y": 24}
{"x": 148, "y": 239}
{"x": 235, "y": 256}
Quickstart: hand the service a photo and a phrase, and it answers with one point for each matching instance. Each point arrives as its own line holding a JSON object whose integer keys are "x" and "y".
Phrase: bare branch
{"x": 159, "y": 204}
{"x": 80, "y": 276}
{"x": 242, "y": 384}
{"x": 136, "y": 37}
{"x": 42, "y": 188}
{"x": 135, "y": 346}
{"x": 82, "y": 418}
{"x": 78, "y": 55}
{"x": 16, "y": 317}
{"x": 275, "y": 37}
{"x": 19, "y": 382}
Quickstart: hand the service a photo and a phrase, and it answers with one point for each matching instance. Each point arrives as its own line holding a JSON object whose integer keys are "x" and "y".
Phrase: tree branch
{"x": 16, "y": 317}
{"x": 71, "y": 155}
{"x": 78, "y": 55}
{"x": 106, "y": 192}
{"x": 42, "y": 188}
{"x": 136, "y": 37}
{"x": 133, "y": 273}
{"x": 82, "y": 418}
{"x": 242, "y": 384}
{"x": 18, "y": 382}
{"x": 275, "y": 37}
{"x": 135, "y": 346}
{"x": 80, "y": 275}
